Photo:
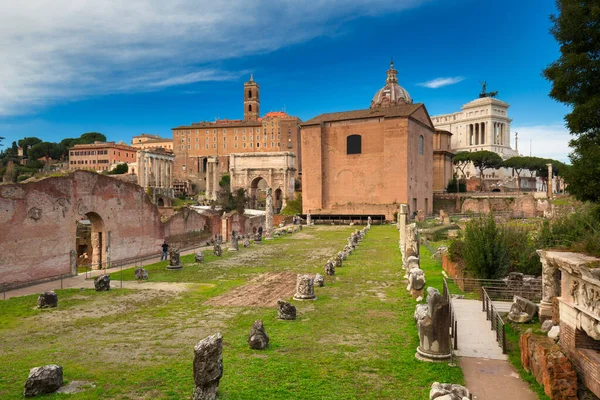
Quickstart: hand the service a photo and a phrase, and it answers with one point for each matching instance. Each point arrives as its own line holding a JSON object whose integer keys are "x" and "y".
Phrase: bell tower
{"x": 251, "y": 100}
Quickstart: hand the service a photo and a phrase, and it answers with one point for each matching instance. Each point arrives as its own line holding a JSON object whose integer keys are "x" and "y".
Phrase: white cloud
{"x": 546, "y": 141}
{"x": 440, "y": 82}
{"x": 54, "y": 50}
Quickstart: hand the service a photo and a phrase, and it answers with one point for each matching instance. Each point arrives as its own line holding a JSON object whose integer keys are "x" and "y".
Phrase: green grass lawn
{"x": 357, "y": 340}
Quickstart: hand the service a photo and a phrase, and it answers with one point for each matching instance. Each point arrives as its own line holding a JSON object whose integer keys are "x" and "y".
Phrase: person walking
{"x": 165, "y": 251}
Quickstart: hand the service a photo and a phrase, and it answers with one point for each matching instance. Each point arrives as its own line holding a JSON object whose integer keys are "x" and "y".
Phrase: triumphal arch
{"x": 278, "y": 169}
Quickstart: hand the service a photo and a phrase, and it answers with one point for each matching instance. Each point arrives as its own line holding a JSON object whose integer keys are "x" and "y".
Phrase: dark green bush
{"x": 485, "y": 250}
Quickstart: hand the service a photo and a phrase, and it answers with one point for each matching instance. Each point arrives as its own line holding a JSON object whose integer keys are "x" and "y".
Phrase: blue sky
{"x": 145, "y": 66}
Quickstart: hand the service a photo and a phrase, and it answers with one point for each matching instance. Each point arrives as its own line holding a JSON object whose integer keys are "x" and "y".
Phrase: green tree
{"x": 483, "y": 160}
{"x": 575, "y": 79}
{"x": 119, "y": 169}
{"x": 91, "y": 137}
{"x": 484, "y": 249}
{"x": 461, "y": 160}
{"x": 28, "y": 142}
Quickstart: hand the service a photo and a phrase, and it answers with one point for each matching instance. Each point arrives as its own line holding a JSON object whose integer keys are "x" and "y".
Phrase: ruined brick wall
{"x": 544, "y": 359}
{"x": 519, "y": 206}
{"x": 38, "y": 224}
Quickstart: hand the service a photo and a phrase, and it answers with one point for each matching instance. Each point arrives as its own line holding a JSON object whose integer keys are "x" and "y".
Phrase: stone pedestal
{"x": 48, "y": 299}
{"x": 174, "y": 262}
{"x": 305, "y": 288}
{"x": 434, "y": 333}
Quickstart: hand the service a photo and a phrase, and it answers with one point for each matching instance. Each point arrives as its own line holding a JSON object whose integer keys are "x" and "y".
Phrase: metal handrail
{"x": 496, "y": 321}
{"x": 453, "y": 328}
{"x": 500, "y": 289}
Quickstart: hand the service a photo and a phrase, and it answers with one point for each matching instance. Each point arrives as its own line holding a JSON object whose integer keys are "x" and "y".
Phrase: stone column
{"x": 269, "y": 215}
{"x": 550, "y": 285}
{"x": 308, "y": 219}
{"x": 402, "y": 214}
{"x": 549, "y": 186}
{"x": 208, "y": 180}
{"x": 146, "y": 171}
{"x": 215, "y": 179}
{"x": 140, "y": 168}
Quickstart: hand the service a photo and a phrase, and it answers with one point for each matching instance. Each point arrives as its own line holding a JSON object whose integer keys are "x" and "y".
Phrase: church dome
{"x": 392, "y": 93}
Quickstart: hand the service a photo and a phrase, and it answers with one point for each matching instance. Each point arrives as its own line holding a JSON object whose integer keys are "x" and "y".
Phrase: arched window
{"x": 421, "y": 144}
{"x": 250, "y": 107}
{"x": 249, "y": 94}
{"x": 354, "y": 144}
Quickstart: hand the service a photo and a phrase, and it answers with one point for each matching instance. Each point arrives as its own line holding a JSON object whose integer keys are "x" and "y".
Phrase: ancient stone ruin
{"x": 319, "y": 280}
{"x": 102, "y": 283}
{"x": 141, "y": 274}
{"x": 305, "y": 288}
{"x": 208, "y": 367}
{"x": 43, "y": 380}
{"x": 233, "y": 243}
{"x": 258, "y": 339}
{"x": 199, "y": 257}
{"x": 411, "y": 242}
{"x": 269, "y": 215}
{"x": 217, "y": 250}
{"x": 573, "y": 281}
{"x": 285, "y": 310}
{"x": 174, "y": 261}
{"x": 434, "y": 332}
{"x": 522, "y": 310}
{"x": 329, "y": 268}
{"x": 48, "y": 299}
{"x": 448, "y": 391}
{"x": 416, "y": 282}
{"x": 246, "y": 242}
{"x": 258, "y": 237}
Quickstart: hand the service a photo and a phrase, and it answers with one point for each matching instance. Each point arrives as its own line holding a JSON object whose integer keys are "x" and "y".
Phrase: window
{"x": 235, "y": 130}
{"x": 235, "y": 138}
{"x": 258, "y": 130}
{"x": 214, "y": 131}
{"x": 224, "y": 131}
{"x": 251, "y": 130}
{"x": 250, "y": 107}
{"x": 353, "y": 144}
{"x": 214, "y": 146}
{"x": 244, "y": 131}
{"x": 244, "y": 145}
{"x": 250, "y": 94}
{"x": 207, "y": 145}
{"x": 224, "y": 145}
{"x": 257, "y": 144}
{"x": 421, "y": 144}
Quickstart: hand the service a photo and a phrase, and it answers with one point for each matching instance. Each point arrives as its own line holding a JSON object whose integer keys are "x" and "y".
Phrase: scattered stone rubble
{"x": 141, "y": 274}
{"x": 48, "y": 299}
{"x": 258, "y": 339}
{"x": 448, "y": 391}
{"x": 102, "y": 283}
{"x": 208, "y": 367}
{"x": 43, "y": 380}
{"x": 285, "y": 310}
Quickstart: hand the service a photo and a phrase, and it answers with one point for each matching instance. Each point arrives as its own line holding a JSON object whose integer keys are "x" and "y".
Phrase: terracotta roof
{"x": 399, "y": 111}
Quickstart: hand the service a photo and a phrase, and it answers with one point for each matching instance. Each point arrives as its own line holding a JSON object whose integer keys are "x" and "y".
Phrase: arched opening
{"x": 91, "y": 241}
{"x": 421, "y": 144}
{"x": 277, "y": 201}
{"x": 258, "y": 196}
{"x": 249, "y": 94}
{"x": 250, "y": 107}
{"x": 354, "y": 144}
{"x": 160, "y": 202}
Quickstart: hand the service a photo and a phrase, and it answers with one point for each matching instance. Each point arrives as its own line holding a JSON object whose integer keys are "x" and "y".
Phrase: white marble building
{"x": 482, "y": 124}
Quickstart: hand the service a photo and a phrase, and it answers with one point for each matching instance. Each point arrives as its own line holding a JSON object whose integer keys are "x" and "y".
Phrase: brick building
{"x": 367, "y": 162}
{"x": 100, "y": 156}
{"x": 194, "y": 144}
{"x": 148, "y": 141}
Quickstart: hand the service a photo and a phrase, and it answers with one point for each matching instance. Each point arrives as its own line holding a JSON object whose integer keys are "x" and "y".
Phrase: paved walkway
{"x": 488, "y": 374}
{"x": 475, "y": 338}
{"x": 79, "y": 281}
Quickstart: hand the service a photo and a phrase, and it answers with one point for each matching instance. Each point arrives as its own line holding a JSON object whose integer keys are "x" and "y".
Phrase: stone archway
{"x": 277, "y": 169}
{"x": 257, "y": 193}
{"x": 160, "y": 202}
{"x": 96, "y": 249}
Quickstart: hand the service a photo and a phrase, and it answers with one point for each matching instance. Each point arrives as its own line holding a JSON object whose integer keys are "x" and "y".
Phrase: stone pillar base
{"x": 174, "y": 267}
{"x": 545, "y": 311}
{"x": 421, "y": 355}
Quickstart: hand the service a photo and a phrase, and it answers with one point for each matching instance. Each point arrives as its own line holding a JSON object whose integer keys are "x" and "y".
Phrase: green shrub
{"x": 485, "y": 249}
{"x": 522, "y": 247}
{"x": 293, "y": 207}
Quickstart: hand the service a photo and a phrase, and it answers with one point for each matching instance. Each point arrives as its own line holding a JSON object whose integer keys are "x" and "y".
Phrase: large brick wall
{"x": 38, "y": 224}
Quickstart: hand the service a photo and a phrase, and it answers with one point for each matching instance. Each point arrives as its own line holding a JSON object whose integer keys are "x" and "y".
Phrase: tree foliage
{"x": 575, "y": 79}
{"x": 461, "y": 160}
{"x": 484, "y": 250}
{"x": 575, "y": 76}
{"x": 119, "y": 169}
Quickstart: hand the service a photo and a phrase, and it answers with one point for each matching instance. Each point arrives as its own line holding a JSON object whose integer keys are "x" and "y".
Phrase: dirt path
{"x": 494, "y": 380}
{"x": 262, "y": 291}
